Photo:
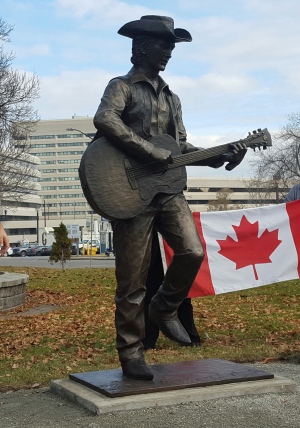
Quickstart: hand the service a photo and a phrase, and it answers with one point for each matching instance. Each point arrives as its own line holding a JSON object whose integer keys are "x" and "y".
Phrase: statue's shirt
{"x": 132, "y": 111}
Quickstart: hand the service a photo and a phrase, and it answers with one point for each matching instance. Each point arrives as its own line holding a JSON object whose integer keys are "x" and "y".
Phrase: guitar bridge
{"x": 130, "y": 175}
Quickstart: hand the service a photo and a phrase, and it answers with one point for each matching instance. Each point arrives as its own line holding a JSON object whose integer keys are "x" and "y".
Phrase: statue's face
{"x": 158, "y": 55}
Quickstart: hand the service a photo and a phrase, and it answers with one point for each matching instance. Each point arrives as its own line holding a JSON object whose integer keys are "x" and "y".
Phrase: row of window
{"x": 76, "y": 152}
{"x": 64, "y": 213}
{"x": 240, "y": 202}
{"x": 67, "y": 195}
{"x": 63, "y": 204}
{"x": 59, "y": 179}
{"x": 51, "y": 137}
{"x": 50, "y": 171}
{"x": 235, "y": 189}
{"x": 53, "y": 162}
{"x": 60, "y": 187}
{"x": 27, "y": 231}
{"x": 16, "y": 218}
{"x": 7, "y": 203}
{"x": 44, "y": 146}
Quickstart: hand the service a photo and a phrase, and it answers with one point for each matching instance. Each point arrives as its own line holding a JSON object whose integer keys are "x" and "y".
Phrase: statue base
{"x": 172, "y": 376}
{"x": 108, "y": 391}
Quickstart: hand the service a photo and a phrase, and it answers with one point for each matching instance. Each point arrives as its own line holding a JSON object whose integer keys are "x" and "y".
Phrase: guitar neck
{"x": 199, "y": 155}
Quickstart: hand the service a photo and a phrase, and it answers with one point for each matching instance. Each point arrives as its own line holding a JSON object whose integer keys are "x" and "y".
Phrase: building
{"x": 242, "y": 193}
{"x": 19, "y": 208}
{"x": 59, "y": 144}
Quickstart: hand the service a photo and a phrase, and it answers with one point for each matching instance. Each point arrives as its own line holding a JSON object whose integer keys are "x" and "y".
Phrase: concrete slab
{"x": 98, "y": 403}
{"x": 170, "y": 376}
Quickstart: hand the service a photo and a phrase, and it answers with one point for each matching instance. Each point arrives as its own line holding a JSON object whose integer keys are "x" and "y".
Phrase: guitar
{"x": 118, "y": 185}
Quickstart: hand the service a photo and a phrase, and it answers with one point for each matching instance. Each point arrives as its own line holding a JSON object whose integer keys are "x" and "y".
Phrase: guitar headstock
{"x": 257, "y": 139}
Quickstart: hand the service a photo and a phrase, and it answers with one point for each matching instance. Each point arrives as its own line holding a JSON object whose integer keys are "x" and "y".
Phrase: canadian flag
{"x": 246, "y": 248}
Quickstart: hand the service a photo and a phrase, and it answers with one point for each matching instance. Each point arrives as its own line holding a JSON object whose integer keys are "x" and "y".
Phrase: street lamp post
{"x": 37, "y": 225}
{"x": 45, "y": 221}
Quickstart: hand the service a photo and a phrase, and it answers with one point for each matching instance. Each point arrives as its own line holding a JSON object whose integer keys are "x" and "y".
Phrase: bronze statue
{"x": 134, "y": 109}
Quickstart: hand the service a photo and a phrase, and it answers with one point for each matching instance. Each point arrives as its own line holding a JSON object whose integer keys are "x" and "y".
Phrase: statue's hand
{"x": 235, "y": 156}
{"x": 161, "y": 155}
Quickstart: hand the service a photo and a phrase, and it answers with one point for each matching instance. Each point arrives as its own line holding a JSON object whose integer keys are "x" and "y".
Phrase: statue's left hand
{"x": 235, "y": 156}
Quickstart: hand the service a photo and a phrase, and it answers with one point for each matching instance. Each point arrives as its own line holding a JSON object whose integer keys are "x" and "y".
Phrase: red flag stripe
{"x": 202, "y": 285}
{"x": 293, "y": 211}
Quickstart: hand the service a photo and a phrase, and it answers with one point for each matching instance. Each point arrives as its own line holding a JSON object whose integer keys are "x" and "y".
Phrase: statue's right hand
{"x": 161, "y": 155}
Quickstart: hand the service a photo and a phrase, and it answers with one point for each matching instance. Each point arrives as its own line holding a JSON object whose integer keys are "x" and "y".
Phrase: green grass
{"x": 79, "y": 334}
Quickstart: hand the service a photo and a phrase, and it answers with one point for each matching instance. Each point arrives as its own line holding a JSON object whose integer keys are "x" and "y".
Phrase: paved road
{"x": 41, "y": 409}
{"x": 75, "y": 262}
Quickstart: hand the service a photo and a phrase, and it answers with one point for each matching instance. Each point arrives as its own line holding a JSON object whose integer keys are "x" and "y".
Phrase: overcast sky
{"x": 241, "y": 71}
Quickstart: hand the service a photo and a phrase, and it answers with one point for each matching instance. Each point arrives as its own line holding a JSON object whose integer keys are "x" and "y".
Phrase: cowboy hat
{"x": 157, "y": 26}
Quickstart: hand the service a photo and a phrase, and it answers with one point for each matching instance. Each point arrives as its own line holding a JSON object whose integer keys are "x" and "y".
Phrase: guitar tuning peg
{"x": 254, "y": 132}
{"x": 259, "y": 130}
{"x": 249, "y": 133}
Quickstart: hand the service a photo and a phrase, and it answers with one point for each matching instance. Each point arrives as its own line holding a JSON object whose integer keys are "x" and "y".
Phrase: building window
{"x": 18, "y": 204}
{"x": 70, "y": 195}
{"x": 47, "y": 171}
{"x": 44, "y": 154}
{"x": 69, "y": 136}
{"x": 68, "y": 179}
{"x": 41, "y": 137}
{"x": 70, "y": 144}
{"x": 68, "y": 170}
{"x": 40, "y": 146}
{"x": 75, "y": 186}
{"x": 73, "y": 213}
{"x": 71, "y": 204}
{"x": 69, "y": 161}
{"x": 77, "y": 152}
{"x": 48, "y": 187}
{"x": 194, "y": 189}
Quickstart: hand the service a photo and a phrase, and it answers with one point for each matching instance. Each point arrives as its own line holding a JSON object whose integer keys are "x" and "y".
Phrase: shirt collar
{"x": 137, "y": 75}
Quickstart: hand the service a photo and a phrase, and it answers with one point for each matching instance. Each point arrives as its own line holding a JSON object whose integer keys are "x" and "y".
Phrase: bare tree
{"x": 280, "y": 165}
{"x": 17, "y": 121}
{"x": 223, "y": 201}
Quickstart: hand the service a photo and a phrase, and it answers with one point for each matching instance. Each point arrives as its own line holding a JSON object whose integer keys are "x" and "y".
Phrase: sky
{"x": 240, "y": 72}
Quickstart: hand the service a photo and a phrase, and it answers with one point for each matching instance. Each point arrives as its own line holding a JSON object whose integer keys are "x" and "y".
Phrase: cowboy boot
{"x": 175, "y": 288}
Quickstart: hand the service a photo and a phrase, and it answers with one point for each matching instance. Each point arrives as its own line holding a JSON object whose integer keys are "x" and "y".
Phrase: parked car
{"x": 109, "y": 252}
{"x": 44, "y": 251}
{"x": 74, "y": 249}
{"x": 86, "y": 243}
{"x": 8, "y": 252}
{"x": 24, "y": 251}
{"x": 31, "y": 251}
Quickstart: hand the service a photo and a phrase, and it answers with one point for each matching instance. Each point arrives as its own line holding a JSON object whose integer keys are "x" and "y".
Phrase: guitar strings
{"x": 155, "y": 167}
{"x": 181, "y": 160}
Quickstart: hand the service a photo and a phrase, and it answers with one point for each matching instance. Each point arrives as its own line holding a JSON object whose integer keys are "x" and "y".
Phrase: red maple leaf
{"x": 249, "y": 249}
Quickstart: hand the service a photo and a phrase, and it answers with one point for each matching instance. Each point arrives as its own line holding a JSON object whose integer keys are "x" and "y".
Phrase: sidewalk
{"x": 41, "y": 409}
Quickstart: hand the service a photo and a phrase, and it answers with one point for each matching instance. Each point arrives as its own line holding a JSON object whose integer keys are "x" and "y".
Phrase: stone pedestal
{"x": 12, "y": 290}
{"x": 108, "y": 391}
